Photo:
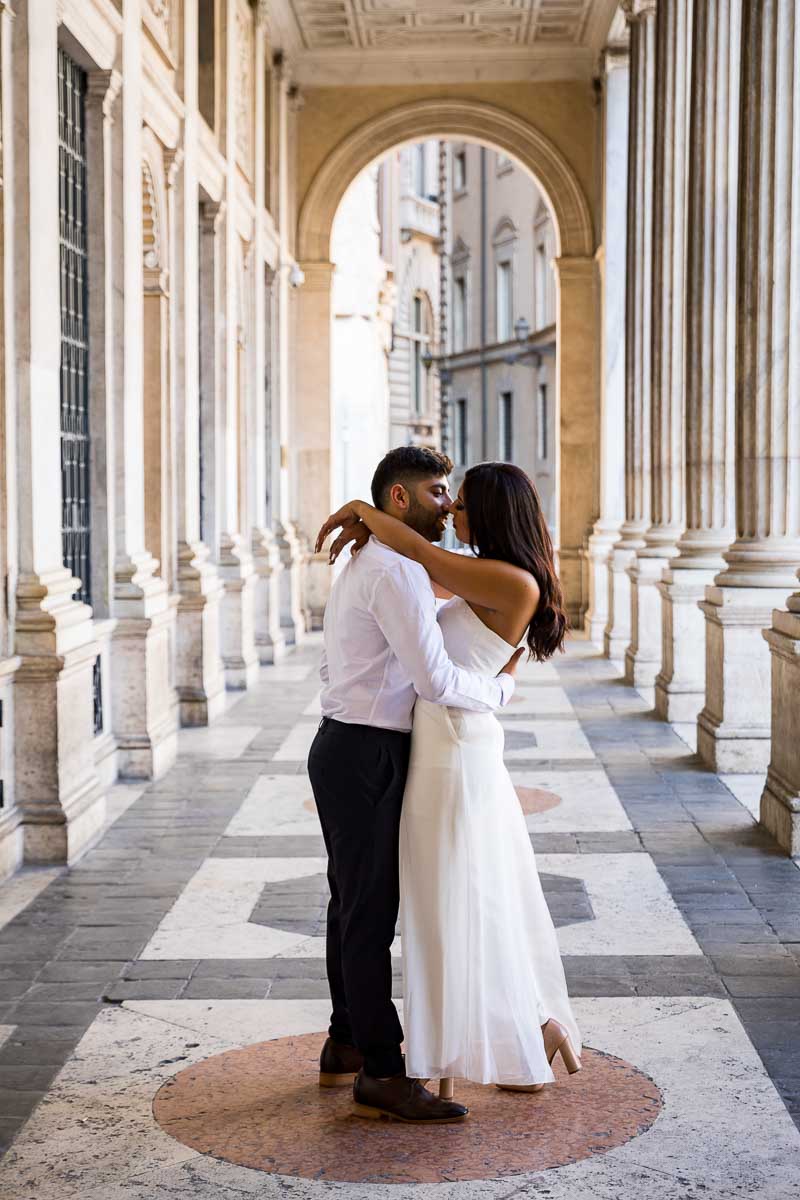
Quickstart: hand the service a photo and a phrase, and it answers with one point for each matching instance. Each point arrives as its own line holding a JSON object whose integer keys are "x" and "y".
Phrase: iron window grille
{"x": 75, "y": 436}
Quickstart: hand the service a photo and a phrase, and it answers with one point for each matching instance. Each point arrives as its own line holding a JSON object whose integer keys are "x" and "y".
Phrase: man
{"x": 383, "y": 647}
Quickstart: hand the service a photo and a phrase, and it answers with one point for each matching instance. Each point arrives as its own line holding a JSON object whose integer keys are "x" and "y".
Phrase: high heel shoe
{"x": 519, "y": 1087}
{"x": 556, "y": 1041}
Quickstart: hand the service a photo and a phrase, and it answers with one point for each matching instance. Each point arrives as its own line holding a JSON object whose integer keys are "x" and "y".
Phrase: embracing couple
{"x": 427, "y": 820}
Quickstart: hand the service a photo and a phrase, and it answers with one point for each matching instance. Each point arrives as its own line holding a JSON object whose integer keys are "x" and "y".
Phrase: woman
{"x": 484, "y": 991}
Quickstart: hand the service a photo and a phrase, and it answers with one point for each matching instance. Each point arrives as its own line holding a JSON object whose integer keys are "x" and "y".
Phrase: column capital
{"x": 575, "y": 266}
{"x": 615, "y": 58}
{"x": 103, "y": 87}
{"x": 318, "y": 275}
{"x": 173, "y": 160}
{"x": 211, "y": 214}
{"x": 634, "y": 10}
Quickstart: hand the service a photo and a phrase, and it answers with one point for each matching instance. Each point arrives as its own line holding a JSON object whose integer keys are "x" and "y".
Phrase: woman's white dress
{"x": 481, "y": 965}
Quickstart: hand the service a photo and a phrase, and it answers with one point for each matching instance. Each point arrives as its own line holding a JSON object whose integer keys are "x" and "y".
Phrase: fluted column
{"x": 710, "y": 356}
{"x": 641, "y": 15}
{"x": 734, "y": 727}
{"x": 780, "y": 802}
{"x": 612, "y": 414}
{"x": 673, "y": 56}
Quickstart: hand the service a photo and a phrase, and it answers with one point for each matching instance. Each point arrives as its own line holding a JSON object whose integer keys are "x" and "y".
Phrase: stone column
{"x": 200, "y": 679}
{"x": 621, "y": 637}
{"x": 144, "y": 703}
{"x": 293, "y": 622}
{"x": 600, "y": 619}
{"x": 673, "y": 54}
{"x": 270, "y": 642}
{"x": 734, "y": 726}
{"x": 11, "y": 836}
{"x": 235, "y": 558}
{"x": 578, "y": 498}
{"x": 710, "y": 355}
{"x": 57, "y": 791}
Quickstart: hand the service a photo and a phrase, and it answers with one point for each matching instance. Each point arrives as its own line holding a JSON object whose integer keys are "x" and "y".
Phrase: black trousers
{"x": 358, "y": 774}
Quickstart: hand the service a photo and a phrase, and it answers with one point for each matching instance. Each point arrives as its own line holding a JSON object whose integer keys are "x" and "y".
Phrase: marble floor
{"x": 161, "y": 1002}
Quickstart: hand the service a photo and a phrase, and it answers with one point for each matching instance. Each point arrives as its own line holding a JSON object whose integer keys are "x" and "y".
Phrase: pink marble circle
{"x": 261, "y": 1107}
{"x": 537, "y": 800}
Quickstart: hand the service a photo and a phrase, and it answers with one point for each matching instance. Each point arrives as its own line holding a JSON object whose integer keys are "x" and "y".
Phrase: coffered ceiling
{"x": 370, "y": 41}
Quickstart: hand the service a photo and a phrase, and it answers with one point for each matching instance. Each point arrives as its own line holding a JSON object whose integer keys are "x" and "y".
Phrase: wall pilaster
{"x": 144, "y": 703}
{"x": 734, "y": 726}
{"x": 199, "y": 677}
{"x": 710, "y": 356}
{"x": 311, "y": 422}
{"x": 576, "y": 368}
{"x": 58, "y": 796}
{"x": 235, "y": 559}
{"x": 269, "y": 638}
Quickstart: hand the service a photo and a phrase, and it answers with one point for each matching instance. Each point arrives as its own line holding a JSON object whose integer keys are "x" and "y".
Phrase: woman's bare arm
{"x": 489, "y": 583}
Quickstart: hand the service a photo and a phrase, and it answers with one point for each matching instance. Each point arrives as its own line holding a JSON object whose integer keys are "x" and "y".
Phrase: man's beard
{"x": 423, "y": 521}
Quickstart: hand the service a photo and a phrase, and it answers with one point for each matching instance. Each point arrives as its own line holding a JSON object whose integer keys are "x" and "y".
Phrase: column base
{"x": 292, "y": 620}
{"x": 681, "y": 682}
{"x": 780, "y": 801}
{"x": 597, "y": 554}
{"x": 319, "y": 579}
{"x": 144, "y": 701}
{"x": 617, "y": 635}
{"x": 269, "y": 637}
{"x": 58, "y": 796}
{"x": 239, "y": 657}
{"x": 733, "y": 729}
{"x": 199, "y": 676}
{"x": 11, "y": 838}
{"x": 106, "y": 750}
{"x": 643, "y": 655}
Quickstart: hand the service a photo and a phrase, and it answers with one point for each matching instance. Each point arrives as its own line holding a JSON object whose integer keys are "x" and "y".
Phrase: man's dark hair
{"x": 407, "y": 465}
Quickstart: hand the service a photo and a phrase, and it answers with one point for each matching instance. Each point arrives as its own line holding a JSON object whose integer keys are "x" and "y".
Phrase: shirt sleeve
{"x": 406, "y": 615}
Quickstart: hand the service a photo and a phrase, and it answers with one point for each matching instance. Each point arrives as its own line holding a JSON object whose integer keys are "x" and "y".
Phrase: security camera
{"x": 296, "y": 276}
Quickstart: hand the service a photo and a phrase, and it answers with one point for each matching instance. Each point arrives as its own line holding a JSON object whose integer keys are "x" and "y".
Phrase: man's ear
{"x": 398, "y": 495}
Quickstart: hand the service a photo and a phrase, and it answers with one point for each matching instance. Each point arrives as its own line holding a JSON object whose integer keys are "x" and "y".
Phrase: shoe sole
{"x": 381, "y": 1114}
{"x": 327, "y": 1080}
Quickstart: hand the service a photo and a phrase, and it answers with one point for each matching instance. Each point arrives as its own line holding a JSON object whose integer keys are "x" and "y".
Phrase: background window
{"x": 504, "y": 301}
{"x": 460, "y": 314}
{"x": 505, "y": 430}
{"x": 460, "y": 170}
{"x": 419, "y": 169}
{"x": 460, "y": 433}
{"x": 541, "y": 422}
{"x": 420, "y": 334}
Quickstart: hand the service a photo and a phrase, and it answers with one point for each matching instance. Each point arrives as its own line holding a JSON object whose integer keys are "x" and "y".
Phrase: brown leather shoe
{"x": 403, "y": 1099}
{"x": 338, "y": 1064}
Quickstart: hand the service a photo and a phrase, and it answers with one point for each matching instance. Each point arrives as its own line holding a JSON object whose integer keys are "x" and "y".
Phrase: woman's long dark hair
{"x": 506, "y": 522}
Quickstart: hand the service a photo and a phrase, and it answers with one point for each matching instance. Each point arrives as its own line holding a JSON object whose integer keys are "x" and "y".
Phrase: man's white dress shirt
{"x": 384, "y": 647}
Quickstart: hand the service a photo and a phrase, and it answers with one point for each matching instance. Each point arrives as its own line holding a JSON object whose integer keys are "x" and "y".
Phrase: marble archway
{"x": 462, "y": 119}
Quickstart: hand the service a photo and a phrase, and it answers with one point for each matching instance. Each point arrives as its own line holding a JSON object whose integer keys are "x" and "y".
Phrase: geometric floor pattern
{"x": 181, "y": 962}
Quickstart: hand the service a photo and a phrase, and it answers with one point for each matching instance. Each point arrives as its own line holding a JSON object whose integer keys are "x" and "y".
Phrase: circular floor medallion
{"x": 537, "y": 800}
{"x": 261, "y": 1107}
